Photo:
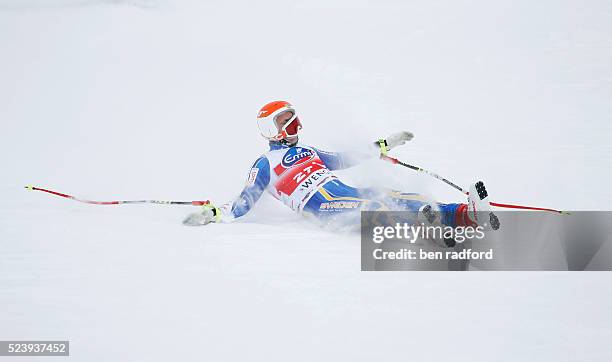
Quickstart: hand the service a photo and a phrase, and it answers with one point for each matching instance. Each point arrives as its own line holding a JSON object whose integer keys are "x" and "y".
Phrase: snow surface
{"x": 157, "y": 99}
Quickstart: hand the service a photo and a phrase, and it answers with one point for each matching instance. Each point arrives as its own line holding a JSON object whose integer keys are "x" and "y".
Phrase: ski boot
{"x": 479, "y": 209}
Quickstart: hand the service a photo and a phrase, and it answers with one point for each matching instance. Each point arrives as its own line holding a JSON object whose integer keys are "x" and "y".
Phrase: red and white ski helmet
{"x": 266, "y": 121}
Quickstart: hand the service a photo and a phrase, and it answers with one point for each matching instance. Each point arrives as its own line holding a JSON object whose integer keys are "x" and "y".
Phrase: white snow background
{"x": 157, "y": 99}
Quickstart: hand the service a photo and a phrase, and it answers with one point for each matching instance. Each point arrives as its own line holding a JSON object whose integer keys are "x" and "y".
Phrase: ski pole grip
{"x": 383, "y": 146}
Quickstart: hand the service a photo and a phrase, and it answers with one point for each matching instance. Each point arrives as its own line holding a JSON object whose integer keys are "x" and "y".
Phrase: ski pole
{"x": 395, "y": 161}
{"x": 162, "y": 202}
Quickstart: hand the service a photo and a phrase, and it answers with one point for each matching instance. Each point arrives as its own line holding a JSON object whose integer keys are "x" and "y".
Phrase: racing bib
{"x": 300, "y": 173}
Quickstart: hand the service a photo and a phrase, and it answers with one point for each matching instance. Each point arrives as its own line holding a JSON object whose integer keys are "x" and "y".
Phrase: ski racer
{"x": 302, "y": 177}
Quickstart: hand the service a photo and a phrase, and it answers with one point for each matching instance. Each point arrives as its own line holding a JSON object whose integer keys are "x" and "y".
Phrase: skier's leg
{"x": 337, "y": 198}
{"x": 450, "y": 214}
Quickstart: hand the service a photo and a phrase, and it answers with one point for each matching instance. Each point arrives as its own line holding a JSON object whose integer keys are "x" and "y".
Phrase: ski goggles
{"x": 269, "y": 126}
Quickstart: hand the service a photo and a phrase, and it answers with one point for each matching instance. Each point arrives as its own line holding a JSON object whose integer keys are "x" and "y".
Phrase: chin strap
{"x": 285, "y": 142}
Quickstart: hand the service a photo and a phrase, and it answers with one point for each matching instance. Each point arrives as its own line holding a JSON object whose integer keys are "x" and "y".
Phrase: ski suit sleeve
{"x": 257, "y": 181}
{"x": 342, "y": 160}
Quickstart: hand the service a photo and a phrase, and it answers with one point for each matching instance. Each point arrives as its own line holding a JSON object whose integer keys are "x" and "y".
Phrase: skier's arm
{"x": 257, "y": 181}
{"x": 342, "y": 160}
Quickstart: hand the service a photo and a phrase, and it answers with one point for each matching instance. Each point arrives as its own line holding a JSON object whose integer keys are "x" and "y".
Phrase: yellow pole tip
{"x": 29, "y": 187}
